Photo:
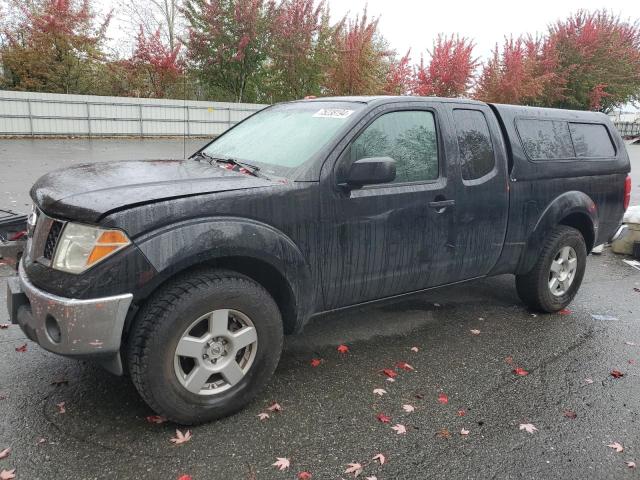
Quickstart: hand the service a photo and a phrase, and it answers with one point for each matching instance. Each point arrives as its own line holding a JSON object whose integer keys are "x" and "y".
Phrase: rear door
{"x": 482, "y": 196}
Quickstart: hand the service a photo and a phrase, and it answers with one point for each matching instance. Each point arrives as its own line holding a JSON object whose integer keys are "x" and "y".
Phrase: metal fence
{"x": 46, "y": 114}
{"x": 628, "y": 129}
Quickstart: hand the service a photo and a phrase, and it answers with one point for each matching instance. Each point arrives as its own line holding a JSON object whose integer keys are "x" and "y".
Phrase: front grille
{"x": 52, "y": 239}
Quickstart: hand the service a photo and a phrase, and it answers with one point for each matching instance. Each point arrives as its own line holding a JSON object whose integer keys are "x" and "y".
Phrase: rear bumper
{"x": 66, "y": 326}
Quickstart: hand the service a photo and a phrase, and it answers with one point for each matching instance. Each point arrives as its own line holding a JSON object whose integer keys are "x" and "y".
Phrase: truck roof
{"x": 380, "y": 99}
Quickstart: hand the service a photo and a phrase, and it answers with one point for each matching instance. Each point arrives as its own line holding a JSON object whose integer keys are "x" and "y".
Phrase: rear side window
{"x": 474, "y": 143}
{"x": 591, "y": 140}
{"x": 545, "y": 139}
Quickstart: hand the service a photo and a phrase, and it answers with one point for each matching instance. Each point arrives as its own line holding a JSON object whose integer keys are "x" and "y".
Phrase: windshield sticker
{"x": 332, "y": 113}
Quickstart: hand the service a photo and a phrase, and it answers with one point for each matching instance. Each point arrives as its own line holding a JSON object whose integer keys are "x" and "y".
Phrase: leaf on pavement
{"x": 565, "y": 311}
{"x": 415, "y": 349}
{"x": 528, "y": 427}
{"x": 389, "y": 373}
{"x": 408, "y": 408}
{"x": 617, "y": 374}
{"x": 474, "y": 331}
{"x": 354, "y": 468}
{"x": 304, "y": 475}
{"x": 631, "y": 344}
{"x": 570, "y": 414}
{"x": 616, "y": 446}
{"x": 371, "y": 477}
{"x": 399, "y": 429}
{"x": 405, "y": 366}
{"x": 263, "y": 415}
{"x": 461, "y": 412}
{"x": 342, "y": 349}
{"x": 380, "y": 458}
{"x": 588, "y": 381}
{"x": 41, "y": 440}
{"x": 22, "y": 348}
{"x": 4, "y": 325}
{"x": 274, "y": 407}
{"x": 442, "y": 398}
{"x": 8, "y": 474}
{"x": 61, "y": 408}
{"x": 157, "y": 419}
{"x": 520, "y": 371}
{"x": 181, "y": 438}
{"x": 464, "y": 432}
{"x": 315, "y": 362}
{"x": 383, "y": 418}
{"x": 630, "y": 464}
{"x": 185, "y": 477}
{"x": 5, "y": 453}
{"x": 443, "y": 433}
{"x": 379, "y": 391}
{"x": 281, "y": 463}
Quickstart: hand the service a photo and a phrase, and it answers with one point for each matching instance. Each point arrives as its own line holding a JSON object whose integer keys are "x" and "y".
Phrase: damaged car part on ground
{"x": 188, "y": 273}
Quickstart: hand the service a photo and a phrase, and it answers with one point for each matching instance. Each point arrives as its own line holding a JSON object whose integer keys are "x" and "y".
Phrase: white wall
{"x": 48, "y": 114}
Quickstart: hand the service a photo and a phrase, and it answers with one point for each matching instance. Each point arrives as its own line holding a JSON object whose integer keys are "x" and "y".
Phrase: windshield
{"x": 281, "y": 138}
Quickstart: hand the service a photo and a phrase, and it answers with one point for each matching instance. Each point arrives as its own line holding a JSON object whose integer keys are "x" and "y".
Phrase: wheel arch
{"x": 250, "y": 248}
{"x": 573, "y": 209}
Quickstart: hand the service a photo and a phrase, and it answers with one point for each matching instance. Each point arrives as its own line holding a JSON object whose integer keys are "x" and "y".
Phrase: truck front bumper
{"x": 78, "y": 328}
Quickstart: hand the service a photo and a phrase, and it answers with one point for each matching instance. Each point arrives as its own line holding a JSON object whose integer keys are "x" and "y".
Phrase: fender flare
{"x": 179, "y": 246}
{"x": 569, "y": 203}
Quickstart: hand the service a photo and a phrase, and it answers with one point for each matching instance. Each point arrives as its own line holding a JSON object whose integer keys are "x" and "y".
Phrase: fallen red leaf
{"x": 616, "y": 446}
{"x": 281, "y": 463}
{"x": 616, "y": 374}
{"x": 304, "y": 476}
{"x": 570, "y": 414}
{"x": 315, "y": 362}
{"x": 8, "y": 474}
{"x": 399, "y": 429}
{"x": 443, "y": 433}
{"x": 5, "y": 453}
{"x": 22, "y": 348}
{"x": 156, "y": 419}
{"x": 61, "y": 408}
{"x": 443, "y": 399}
{"x": 263, "y": 416}
{"x": 275, "y": 407}
{"x": 185, "y": 477}
{"x": 404, "y": 366}
{"x": 354, "y": 468}
{"x": 342, "y": 349}
{"x": 389, "y": 373}
{"x": 461, "y": 413}
{"x": 4, "y": 325}
{"x": 380, "y": 458}
{"x": 383, "y": 418}
{"x": 520, "y": 371}
{"x": 181, "y": 438}
{"x": 565, "y": 311}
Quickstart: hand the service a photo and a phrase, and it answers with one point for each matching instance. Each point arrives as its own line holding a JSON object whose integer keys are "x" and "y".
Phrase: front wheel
{"x": 556, "y": 276}
{"x": 205, "y": 345}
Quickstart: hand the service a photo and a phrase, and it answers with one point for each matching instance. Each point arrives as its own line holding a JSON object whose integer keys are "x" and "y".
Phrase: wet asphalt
{"x": 328, "y": 416}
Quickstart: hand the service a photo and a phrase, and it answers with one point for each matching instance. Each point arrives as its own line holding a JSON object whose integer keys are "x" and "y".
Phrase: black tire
{"x": 160, "y": 324}
{"x": 533, "y": 287}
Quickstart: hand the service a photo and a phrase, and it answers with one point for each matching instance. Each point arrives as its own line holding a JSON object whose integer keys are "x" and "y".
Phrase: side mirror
{"x": 370, "y": 171}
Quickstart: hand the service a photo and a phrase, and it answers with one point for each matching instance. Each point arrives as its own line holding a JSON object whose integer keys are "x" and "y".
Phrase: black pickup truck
{"x": 188, "y": 273}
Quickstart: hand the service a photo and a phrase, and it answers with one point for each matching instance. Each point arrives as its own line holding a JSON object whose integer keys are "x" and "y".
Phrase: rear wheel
{"x": 556, "y": 276}
{"x": 205, "y": 345}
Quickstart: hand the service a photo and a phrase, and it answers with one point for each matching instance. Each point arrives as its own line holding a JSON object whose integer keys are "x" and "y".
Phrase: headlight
{"x": 81, "y": 246}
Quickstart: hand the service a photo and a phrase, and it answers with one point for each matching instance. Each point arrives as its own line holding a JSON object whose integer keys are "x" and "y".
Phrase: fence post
{"x": 228, "y": 118}
{"x": 140, "y": 113}
{"x": 88, "y": 119}
{"x": 30, "y": 116}
{"x": 188, "y": 122}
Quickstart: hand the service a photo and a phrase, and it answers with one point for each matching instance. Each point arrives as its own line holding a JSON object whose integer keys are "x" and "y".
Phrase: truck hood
{"x": 89, "y": 191}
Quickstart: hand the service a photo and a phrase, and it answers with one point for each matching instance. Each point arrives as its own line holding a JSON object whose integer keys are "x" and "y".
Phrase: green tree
{"x": 227, "y": 46}
{"x": 53, "y": 46}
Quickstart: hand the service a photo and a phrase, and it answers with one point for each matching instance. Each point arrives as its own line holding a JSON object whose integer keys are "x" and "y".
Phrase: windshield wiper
{"x": 252, "y": 169}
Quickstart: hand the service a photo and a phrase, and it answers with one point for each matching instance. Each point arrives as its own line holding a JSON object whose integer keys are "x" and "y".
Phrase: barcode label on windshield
{"x": 333, "y": 113}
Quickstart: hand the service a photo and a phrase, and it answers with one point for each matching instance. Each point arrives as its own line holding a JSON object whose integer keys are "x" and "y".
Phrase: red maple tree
{"x": 400, "y": 78}
{"x": 450, "y": 69}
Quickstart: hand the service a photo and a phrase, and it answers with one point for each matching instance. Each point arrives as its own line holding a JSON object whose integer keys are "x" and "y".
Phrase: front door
{"x": 392, "y": 238}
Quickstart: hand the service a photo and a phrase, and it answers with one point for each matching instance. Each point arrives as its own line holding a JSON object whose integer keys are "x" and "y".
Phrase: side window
{"x": 591, "y": 140}
{"x": 474, "y": 143}
{"x": 409, "y": 137}
{"x": 545, "y": 139}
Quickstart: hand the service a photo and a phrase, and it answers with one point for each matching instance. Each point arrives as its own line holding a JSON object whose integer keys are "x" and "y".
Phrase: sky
{"x": 414, "y": 24}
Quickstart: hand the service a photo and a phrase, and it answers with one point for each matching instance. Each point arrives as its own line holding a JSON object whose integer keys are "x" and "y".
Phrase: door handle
{"x": 441, "y": 205}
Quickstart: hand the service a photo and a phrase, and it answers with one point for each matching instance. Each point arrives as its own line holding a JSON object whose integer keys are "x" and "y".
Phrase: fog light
{"x": 53, "y": 329}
